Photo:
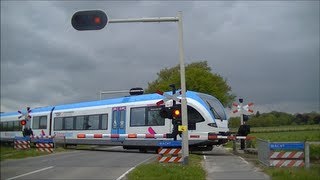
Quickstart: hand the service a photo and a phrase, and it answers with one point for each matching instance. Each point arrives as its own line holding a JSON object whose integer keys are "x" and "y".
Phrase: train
{"x": 133, "y": 122}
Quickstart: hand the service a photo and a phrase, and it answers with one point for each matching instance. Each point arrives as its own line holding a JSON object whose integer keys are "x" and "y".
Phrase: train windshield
{"x": 214, "y": 105}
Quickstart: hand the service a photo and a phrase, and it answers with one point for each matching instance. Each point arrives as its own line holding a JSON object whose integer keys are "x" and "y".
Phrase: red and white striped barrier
{"x": 171, "y": 159}
{"x": 45, "y": 147}
{"x": 169, "y": 155}
{"x": 287, "y": 163}
{"x": 170, "y": 151}
{"x": 287, "y": 155}
{"x": 287, "y": 159}
{"x": 121, "y": 136}
{"x": 155, "y": 136}
{"x": 42, "y": 137}
{"x": 21, "y": 144}
{"x": 231, "y": 137}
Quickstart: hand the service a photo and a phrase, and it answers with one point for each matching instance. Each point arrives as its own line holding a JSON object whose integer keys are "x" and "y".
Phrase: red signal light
{"x": 97, "y": 20}
{"x": 23, "y": 122}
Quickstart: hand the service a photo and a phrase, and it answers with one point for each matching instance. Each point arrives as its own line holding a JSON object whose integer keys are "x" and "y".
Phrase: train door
{"x": 118, "y": 122}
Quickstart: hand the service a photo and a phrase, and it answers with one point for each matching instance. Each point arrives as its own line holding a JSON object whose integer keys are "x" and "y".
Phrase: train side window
{"x": 39, "y": 122}
{"x": 16, "y": 126}
{"x": 1, "y": 126}
{"x": 104, "y": 121}
{"x": 194, "y": 116}
{"x": 58, "y": 123}
{"x": 35, "y": 122}
{"x": 43, "y": 122}
{"x": 5, "y": 126}
{"x": 154, "y": 118}
{"x": 68, "y": 123}
{"x": 10, "y": 126}
{"x": 93, "y": 122}
{"x": 137, "y": 117}
{"x": 79, "y": 122}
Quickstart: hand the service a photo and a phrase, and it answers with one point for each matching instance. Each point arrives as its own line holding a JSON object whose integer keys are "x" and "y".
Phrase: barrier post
{"x": 287, "y": 154}
{"x": 45, "y": 145}
{"x": 21, "y": 143}
{"x": 170, "y": 152}
{"x": 234, "y": 146}
{"x": 307, "y": 155}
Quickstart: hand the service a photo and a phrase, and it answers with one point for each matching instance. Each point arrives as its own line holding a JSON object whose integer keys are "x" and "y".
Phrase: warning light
{"x": 97, "y": 20}
{"x": 23, "y": 122}
{"x": 176, "y": 113}
{"x": 170, "y": 112}
{"x": 89, "y": 20}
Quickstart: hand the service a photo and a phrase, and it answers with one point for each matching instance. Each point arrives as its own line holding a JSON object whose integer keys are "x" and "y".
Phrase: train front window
{"x": 214, "y": 105}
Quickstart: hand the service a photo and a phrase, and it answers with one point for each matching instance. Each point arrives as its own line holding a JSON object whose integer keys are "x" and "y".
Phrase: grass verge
{"x": 168, "y": 171}
{"x": 8, "y": 152}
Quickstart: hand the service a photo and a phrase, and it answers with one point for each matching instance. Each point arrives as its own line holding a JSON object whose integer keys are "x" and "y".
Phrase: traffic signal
{"x": 23, "y": 122}
{"x": 176, "y": 113}
{"x": 166, "y": 112}
{"x": 171, "y": 112}
{"x": 89, "y": 20}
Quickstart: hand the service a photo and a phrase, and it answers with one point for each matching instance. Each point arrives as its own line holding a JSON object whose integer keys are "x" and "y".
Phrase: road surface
{"x": 78, "y": 164}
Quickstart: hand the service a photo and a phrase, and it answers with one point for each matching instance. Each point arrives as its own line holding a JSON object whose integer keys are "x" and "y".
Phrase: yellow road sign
{"x": 182, "y": 128}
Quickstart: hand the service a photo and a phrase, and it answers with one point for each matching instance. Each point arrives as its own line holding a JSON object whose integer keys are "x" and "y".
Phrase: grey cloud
{"x": 268, "y": 51}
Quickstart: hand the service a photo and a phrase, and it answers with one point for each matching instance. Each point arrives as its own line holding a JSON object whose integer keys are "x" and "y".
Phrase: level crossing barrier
{"x": 21, "y": 143}
{"x": 281, "y": 154}
{"x": 156, "y": 136}
{"x": 170, "y": 152}
{"x": 45, "y": 145}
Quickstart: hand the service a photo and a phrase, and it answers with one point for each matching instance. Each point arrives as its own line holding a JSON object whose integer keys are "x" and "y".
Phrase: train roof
{"x": 126, "y": 99}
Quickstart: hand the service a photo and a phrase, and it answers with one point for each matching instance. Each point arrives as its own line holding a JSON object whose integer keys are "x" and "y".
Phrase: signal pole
{"x": 184, "y": 115}
{"x": 241, "y": 113}
{"x": 100, "y": 20}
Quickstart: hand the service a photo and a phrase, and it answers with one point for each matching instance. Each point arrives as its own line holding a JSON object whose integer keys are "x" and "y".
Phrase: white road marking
{"x": 32, "y": 172}
{"x": 124, "y": 174}
{"x": 243, "y": 160}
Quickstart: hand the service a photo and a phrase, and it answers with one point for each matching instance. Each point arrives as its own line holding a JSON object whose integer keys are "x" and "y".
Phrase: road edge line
{"x": 127, "y": 172}
{"x": 32, "y": 172}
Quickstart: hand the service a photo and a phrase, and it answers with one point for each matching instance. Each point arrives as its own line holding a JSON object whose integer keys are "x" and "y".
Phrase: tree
{"x": 198, "y": 78}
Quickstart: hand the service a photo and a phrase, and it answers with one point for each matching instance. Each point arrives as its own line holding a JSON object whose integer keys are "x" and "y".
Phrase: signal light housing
{"x": 171, "y": 112}
{"x": 89, "y": 20}
{"x": 176, "y": 113}
{"x": 23, "y": 122}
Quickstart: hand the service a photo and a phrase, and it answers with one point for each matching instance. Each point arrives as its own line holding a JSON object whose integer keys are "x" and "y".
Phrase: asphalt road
{"x": 78, "y": 164}
{"x": 221, "y": 164}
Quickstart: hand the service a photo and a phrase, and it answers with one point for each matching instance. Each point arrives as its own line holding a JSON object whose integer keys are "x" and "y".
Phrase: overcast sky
{"x": 268, "y": 51}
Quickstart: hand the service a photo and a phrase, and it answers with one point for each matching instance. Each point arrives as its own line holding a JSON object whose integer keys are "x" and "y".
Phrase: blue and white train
{"x": 130, "y": 115}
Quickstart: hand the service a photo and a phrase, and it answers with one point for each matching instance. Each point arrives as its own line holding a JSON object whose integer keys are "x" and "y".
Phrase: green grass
{"x": 313, "y": 135}
{"x": 293, "y": 128}
{"x": 294, "y": 173}
{"x": 8, "y": 152}
{"x": 167, "y": 171}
